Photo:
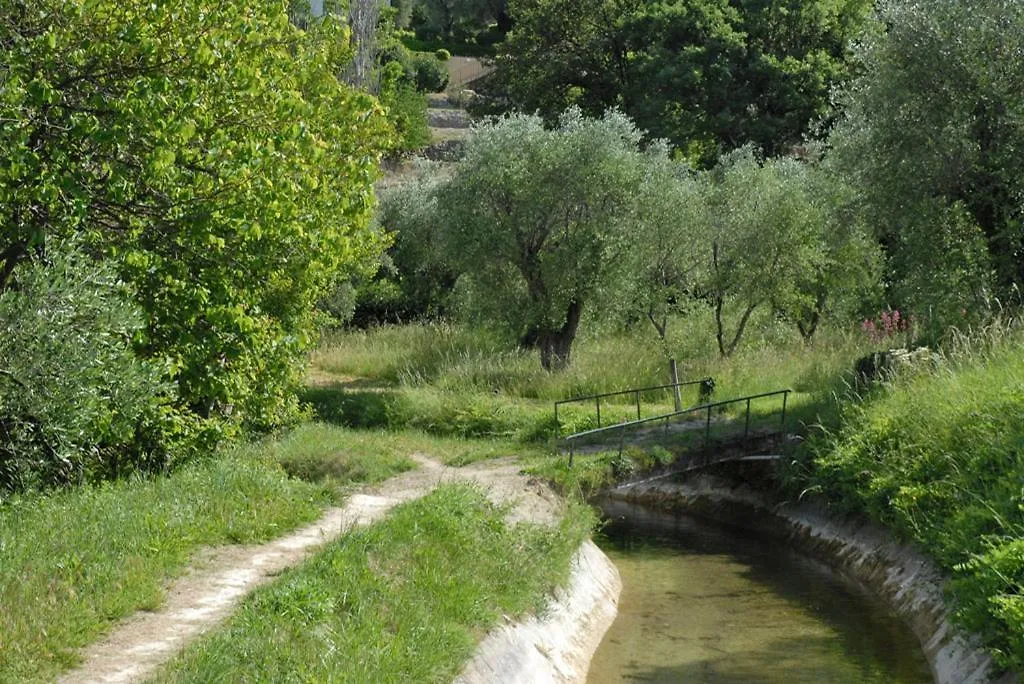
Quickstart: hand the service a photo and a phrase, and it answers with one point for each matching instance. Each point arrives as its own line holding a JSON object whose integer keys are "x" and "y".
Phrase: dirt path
{"x": 211, "y": 590}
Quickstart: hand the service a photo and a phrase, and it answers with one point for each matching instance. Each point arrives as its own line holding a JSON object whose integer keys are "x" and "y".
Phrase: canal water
{"x": 703, "y": 604}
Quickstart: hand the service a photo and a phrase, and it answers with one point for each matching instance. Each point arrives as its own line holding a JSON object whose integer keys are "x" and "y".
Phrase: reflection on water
{"x": 700, "y": 604}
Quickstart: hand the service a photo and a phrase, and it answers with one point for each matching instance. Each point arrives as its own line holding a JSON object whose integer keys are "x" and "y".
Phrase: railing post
{"x": 746, "y": 427}
{"x": 638, "y": 405}
{"x": 597, "y": 400}
{"x": 558, "y": 426}
{"x": 572, "y": 451}
{"x": 707, "y": 429}
{"x": 622, "y": 438}
{"x": 677, "y": 398}
{"x": 785, "y": 396}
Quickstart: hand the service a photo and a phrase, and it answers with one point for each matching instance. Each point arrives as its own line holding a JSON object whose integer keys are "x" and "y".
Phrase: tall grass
{"x": 455, "y": 380}
{"x": 939, "y": 456}
{"x": 403, "y": 601}
{"x": 460, "y": 359}
{"x": 74, "y": 562}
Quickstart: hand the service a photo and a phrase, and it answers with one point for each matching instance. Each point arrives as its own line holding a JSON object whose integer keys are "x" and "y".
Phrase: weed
{"x": 937, "y": 456}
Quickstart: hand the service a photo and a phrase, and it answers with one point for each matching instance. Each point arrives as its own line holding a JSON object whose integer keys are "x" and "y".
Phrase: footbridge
{"x": 750, "y": 427}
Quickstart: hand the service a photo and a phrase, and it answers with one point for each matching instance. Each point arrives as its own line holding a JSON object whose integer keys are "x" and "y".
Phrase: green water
{"x": 700, "y": 604}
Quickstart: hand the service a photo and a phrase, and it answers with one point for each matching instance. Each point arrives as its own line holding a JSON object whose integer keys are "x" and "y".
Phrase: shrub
{"x": 442, "y": 55}
{"x": 75, "y": 402}
{"x": 428, "y": 74}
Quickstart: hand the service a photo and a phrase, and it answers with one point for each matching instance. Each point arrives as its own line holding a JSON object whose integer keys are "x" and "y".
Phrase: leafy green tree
{"x": 75, "y": 402}
{"x": 423, "y": 273}
{"x": 931, "y": 136}
{"x": 457, "y": 19}
{"x": 709, "y": 75}
{"x": 672, "y": 228}
{"x": 211, "y": 152}
{"x": 539, "y": 220}
{"x": 764, "y": 240}
{"x": 847, "y": 276}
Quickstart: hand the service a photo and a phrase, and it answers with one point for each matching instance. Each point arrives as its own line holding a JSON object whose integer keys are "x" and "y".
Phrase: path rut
{"x": 211, "y": 590}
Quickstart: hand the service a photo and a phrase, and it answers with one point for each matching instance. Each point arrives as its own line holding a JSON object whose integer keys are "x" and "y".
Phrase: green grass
{"x": 453, "y": 380}
{"x": 340, "y": 457}
{"x": 405, "y": 600}
{"x": 939, "y": 457}
{"x": 73, "y": 562}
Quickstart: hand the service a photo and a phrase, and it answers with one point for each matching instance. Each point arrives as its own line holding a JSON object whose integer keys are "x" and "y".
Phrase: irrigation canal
{"x": 705, "y": 604}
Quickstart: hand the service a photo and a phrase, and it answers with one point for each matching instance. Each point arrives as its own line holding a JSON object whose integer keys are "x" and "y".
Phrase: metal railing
{"x": 706, "y": 385}
{"x": 570, "y": 440}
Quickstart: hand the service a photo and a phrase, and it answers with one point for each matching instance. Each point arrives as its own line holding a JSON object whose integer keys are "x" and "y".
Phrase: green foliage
{"x": 930, "y": 136}
{"x": 709, "y": 75}
{"x": 538, "y": 219}
{"x": 765, "y": 238}
{"x": 456, "y": 21}
{"x": 673, "y": 219}
{"x": 936, "y": 456}
{"x": 75, "y": 562}
{"x": 75, "y": 402}
{"x": 404, "y": 600}
{"x": 417, "y": 277}
{"x": 537, "y": 225}
{"x": 407, "y": 111}
{"x": 210, "y": 151}
{"x": 846, "y": 277}
{"x": 442, "y": 55}
{"x": 428, "y": 73}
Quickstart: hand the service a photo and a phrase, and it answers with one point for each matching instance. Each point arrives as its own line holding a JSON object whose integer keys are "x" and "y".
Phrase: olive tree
{"x": 666, "y": 255}
{"x": 846, "y": 276}
{"x": 75, "y": 401}
{"x": 763, "y": 239}
{"x": 932, "y": 137}
{"x": 539, "y": 220}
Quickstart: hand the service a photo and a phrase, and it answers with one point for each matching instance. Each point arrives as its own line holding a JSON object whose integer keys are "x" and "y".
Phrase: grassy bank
{"x": 404, "y": 600}
{"x": 73, "y": 562}
{"x": 939, "y": 457}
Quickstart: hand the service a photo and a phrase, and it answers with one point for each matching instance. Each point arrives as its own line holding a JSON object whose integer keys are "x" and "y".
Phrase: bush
{"x": 75, "y": 402}
{"x": 442, "y": 55}
{"x": 407, "y": 111}
{"x": 428, "y": 74}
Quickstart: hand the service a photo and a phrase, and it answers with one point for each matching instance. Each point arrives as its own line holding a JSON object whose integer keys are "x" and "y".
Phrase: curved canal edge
{"x": 558, "y": 645}
{"x": 906, "y": 581}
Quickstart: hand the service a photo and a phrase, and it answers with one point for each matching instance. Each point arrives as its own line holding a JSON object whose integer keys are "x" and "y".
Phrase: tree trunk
{"x": 556, "y": 345}
{"x": 720, "y": 327}
{"x": 723, "y": 349}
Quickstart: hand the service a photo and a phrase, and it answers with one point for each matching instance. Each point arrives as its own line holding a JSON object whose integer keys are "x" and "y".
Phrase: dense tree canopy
{"x": 211, "y": 151}
{"x": 709, "y": 75}
{"x": 932, "y": 136}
